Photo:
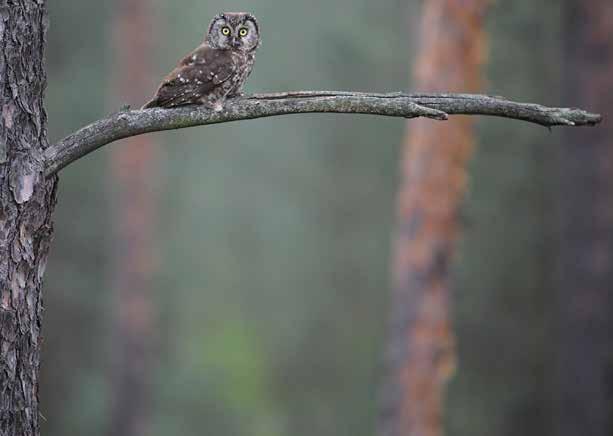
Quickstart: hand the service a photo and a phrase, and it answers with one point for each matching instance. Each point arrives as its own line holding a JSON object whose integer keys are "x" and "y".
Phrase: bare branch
{"x": 436, "y": 106}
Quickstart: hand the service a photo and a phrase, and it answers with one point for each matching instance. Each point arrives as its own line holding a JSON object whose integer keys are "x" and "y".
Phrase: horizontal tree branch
{"x": 436, "y": 106}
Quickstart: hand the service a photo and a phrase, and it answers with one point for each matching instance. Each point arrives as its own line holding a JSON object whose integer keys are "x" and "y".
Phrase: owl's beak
{"x": 234, "y": 42}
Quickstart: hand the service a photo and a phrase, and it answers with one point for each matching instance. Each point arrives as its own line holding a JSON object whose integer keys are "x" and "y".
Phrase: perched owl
{"x": 215, "y": 70}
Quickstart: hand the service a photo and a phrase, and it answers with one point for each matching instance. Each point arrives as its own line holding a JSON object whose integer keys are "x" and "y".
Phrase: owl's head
{"x": 234, "y": 31}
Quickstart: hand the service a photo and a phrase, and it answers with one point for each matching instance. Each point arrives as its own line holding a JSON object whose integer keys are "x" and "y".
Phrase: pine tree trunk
{"x": 26, "y": 204}
{"x": 584, "y": 363}
{"x": 421, "y": 351}
{"x": 133, "y": 178}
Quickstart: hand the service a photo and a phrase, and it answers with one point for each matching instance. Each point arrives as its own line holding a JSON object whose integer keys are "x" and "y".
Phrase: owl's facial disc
{"x": 238, "y": 31}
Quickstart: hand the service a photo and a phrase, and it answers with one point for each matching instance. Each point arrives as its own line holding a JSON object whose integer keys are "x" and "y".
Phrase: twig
{"x": 435, "y": 106}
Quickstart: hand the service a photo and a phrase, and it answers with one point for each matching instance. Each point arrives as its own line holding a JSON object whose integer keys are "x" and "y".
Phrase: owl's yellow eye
{"x": 225, "y": 31}
{"x": 243, "y": 32}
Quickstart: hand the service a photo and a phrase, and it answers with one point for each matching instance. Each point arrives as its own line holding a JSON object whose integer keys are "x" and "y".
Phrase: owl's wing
{"x": 197, "y": 74}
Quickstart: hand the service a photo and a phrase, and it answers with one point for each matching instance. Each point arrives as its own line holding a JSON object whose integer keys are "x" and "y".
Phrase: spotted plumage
{"x": 215, "y": 70}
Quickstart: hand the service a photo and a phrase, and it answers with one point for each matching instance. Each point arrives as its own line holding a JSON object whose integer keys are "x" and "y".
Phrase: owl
{"x": 215, "y": 70}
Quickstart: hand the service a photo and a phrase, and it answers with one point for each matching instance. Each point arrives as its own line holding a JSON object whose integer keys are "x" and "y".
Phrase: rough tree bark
{"x": 583, "y": 384}
{"x": 421, "y": 352}
{"x": 26, "y": 203}
{"x": 132, "y": 170}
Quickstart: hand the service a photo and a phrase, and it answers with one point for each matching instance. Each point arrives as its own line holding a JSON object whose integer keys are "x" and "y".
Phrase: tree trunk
{"x": 584, "y": 376}
{"x": 133, "y": 176}
{"x": 26, "y": 204}
{"x": 421, "y": 346}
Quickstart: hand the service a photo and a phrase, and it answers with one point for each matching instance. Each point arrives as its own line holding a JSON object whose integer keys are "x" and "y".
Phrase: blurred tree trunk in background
{"x": 421, "y": 345}
{"x": 133, "y": 175}
{"x": 584, "y": 376}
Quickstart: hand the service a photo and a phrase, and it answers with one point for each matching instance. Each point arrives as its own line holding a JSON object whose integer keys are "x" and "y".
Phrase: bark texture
{"x": 421, "y": 353}
{"x": 26, "y": 204}
{"x": 132, "y": 172}
{"x": 584, "y": 378}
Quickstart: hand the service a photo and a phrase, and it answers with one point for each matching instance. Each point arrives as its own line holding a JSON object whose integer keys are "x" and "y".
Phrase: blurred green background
{"x": 273, "y": 235}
